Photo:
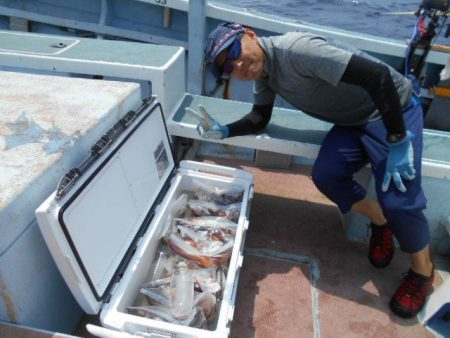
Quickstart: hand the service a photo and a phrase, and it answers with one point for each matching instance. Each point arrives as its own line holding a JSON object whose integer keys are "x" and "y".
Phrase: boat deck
{"x": 301, "y": 277}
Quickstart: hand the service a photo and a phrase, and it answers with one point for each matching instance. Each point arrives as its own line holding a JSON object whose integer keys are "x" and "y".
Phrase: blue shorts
{"x": 346, "y": 150}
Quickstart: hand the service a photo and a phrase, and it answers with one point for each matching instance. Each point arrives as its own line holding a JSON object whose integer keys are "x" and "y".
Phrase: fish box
{"x": 113, "y": 219}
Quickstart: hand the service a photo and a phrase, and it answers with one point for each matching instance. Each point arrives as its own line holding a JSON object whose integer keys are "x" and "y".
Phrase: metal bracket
{"x": 129, "y": 118}
{"x": 67, "y": 181}
{"x": 73, "y": 175}
{"x": 101, "y": 145}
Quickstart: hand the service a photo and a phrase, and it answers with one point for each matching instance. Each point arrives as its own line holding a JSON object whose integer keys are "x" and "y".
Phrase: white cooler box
{"x": 107, "y": 218}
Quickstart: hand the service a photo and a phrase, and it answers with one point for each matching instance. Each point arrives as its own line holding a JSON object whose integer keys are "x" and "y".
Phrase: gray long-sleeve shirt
{"x": 306, "y": 69}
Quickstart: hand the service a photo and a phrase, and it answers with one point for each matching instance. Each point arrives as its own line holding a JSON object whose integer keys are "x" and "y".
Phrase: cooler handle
{"x": 230, "y": 314}
{"x": 102, "y": 332}
{"x": 216, "y": 169}
{"x": 246, "y": 224}
{"x": 107, "y": 333}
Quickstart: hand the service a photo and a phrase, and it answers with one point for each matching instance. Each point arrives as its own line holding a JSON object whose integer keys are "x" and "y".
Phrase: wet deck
{"x": 301, "y": 277}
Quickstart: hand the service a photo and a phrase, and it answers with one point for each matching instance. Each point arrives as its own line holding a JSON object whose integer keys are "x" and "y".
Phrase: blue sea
{"x": 377, "y": 17}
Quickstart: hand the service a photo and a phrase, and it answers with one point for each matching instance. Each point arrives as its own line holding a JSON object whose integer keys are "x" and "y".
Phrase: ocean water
{"x": 377, "y": 17}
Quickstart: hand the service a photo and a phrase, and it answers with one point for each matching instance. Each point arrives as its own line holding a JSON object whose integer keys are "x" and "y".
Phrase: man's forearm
{"x": 376, "y": 79}
{"x": 251, "y": 123}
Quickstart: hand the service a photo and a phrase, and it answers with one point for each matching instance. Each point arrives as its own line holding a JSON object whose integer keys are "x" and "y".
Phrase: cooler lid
{"x": 110, "y": 205}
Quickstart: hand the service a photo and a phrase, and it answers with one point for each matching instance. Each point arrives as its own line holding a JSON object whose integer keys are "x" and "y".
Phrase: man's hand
{"x": 208, "y": 127}
{"x": 400, "y": 163}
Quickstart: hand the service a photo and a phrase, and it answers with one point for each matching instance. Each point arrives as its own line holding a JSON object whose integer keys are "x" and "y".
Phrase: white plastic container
{"x": 104, "y": 223}
{"x": 182, "y": 300}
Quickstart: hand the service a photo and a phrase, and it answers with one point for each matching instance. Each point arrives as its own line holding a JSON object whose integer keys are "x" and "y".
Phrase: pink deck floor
{"x": 291, "y": 218}
{"x": 294, "y": 230}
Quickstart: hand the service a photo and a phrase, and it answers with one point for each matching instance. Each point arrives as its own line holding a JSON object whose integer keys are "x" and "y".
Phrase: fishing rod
{"x": 431, "y": 18}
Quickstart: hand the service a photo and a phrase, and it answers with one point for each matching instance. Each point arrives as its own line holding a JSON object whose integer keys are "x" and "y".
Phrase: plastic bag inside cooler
{"x": 185, "y": 276}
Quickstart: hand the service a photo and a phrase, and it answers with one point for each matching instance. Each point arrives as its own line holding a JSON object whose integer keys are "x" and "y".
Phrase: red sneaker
{"x": 410, "y": 296}
{"x": 381, "y": 247}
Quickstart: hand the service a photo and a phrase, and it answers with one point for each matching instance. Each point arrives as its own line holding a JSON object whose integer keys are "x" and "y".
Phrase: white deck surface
{"x": 47, "y": 125}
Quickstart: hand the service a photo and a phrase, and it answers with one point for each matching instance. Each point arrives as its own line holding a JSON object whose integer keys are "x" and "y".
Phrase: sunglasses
{"x": 233, "y": 53}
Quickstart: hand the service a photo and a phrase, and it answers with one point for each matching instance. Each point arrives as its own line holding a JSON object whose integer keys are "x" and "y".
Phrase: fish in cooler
{"x": 216, "y": 194}
{"x": 206, "y": 208}
{"x": 187, "y": 275}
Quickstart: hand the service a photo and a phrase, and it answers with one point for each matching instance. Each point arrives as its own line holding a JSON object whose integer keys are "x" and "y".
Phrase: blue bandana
{"x": 220, "y": 39}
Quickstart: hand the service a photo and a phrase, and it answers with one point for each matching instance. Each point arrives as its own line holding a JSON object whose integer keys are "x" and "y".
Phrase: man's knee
{"x": 410, "y": 227}
{"x": 322, "y": 177}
